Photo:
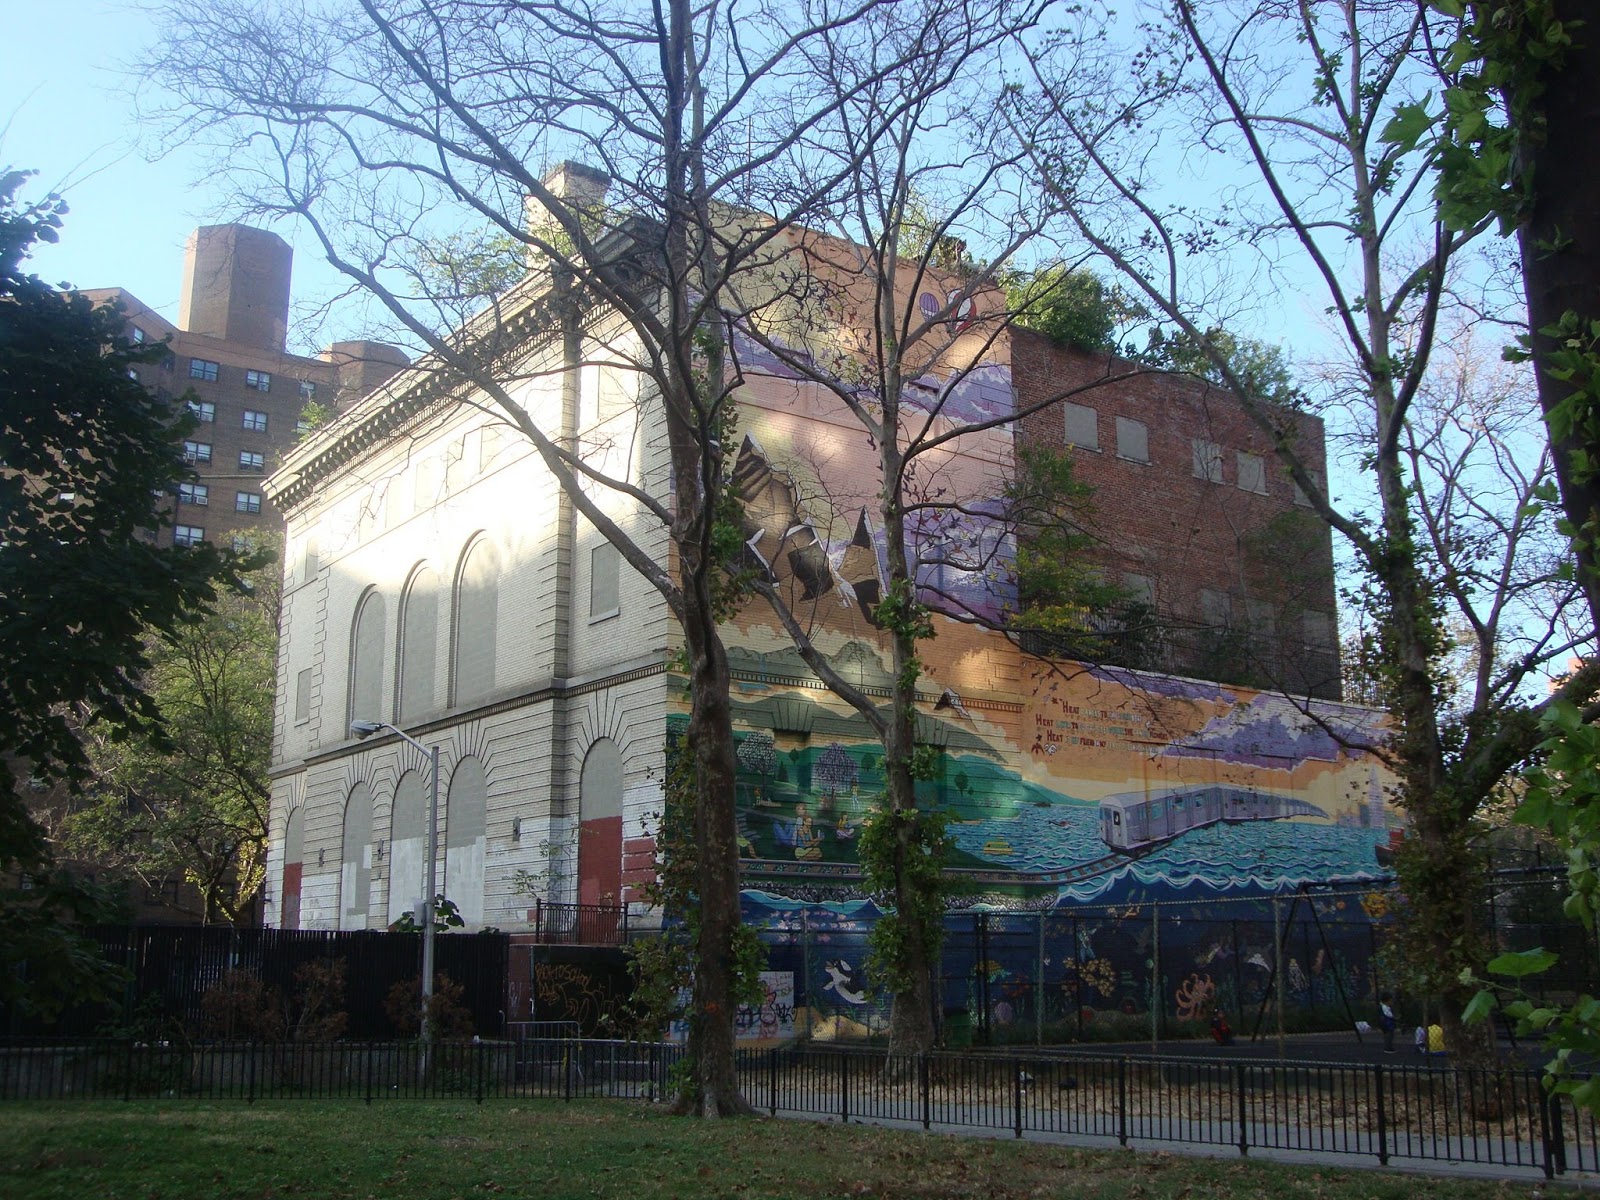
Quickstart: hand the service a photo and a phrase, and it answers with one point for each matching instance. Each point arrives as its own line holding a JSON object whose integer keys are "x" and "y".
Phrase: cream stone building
{"x": 436, "y": 578}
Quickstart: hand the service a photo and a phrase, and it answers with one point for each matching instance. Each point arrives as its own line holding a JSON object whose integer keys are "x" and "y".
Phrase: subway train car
{"x": 1136, "y": 821}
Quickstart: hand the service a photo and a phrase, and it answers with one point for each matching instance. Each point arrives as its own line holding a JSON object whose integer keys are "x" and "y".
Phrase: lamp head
{"x": 365, "y": 729}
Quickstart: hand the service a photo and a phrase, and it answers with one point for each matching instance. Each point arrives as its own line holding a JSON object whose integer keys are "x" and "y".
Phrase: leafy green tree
{"x": 1070, "y": 306}
{"x": 193, "y": 803}
{"x": 87, "y": 456}
{"x": 1259, "y": 367}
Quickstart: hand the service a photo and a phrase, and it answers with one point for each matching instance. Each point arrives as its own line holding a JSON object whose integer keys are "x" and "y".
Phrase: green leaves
{"x": 1522, "y": 963}
{"x": 1408, "y": 125}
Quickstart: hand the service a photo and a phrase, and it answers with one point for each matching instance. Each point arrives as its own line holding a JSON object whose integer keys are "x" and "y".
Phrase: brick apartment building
{"x": 249, "y": 391}
{"x": 1193, "y": 514}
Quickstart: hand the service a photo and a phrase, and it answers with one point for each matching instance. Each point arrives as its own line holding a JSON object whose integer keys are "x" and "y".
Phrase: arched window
{"x": 600, "y": 825}
{"x": 419, "y": 635}
{"x": 355, "y": 859}
{"x": 408, "y": 844}
{"x": 477, "y": 608}
{"x": 294, "y": 849}
{"x": 366, "y": 660}
{"x": 465, "y": 825}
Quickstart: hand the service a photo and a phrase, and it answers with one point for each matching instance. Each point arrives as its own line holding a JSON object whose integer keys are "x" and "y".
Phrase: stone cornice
{"x": 416, "y": 395}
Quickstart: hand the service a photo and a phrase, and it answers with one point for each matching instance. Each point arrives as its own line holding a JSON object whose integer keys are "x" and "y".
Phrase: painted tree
{"x": 384, "y": 128}
{"x": 1298, "y": 97}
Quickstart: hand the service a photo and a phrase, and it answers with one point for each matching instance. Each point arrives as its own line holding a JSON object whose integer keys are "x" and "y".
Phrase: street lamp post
{"x": 424, "y": 913}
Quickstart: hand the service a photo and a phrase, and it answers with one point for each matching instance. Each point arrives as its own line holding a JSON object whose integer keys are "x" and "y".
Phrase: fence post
{"x": 772, "y": 1090}
{"x": 1241, "y": 1086}
{"x": 369, "y": 1072}
{"x": 1122, "y": 1101}
{"x": 566, "y": 1068}
{"x": 1558, "y": 1144}
{"x": 1383, "y": 1115}
{"x": 844, "y": 1088}
{"x": 127, "y": 1074}
{"x": 1077, "y": 976}
{"x": 250, "y": 1075}
{"x": 1155, "y": 977}
{"x": 927, "y": 1107}
{"x": 1038, "y": 988}
{"x": 1016, "y": 1097}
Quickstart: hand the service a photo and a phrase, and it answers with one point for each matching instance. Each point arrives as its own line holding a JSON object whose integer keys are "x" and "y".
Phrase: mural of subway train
{"x": 1137, "y": 821}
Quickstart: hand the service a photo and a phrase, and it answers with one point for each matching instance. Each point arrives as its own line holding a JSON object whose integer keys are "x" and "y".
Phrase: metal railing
{"x": 1329, "y": 1111}
{"x": 580, "y": 924}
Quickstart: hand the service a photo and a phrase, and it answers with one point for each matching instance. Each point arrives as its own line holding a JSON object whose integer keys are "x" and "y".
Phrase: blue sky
{"x": 64, "y": 111}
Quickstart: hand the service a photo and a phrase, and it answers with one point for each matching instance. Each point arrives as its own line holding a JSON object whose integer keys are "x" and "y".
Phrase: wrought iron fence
{"x": 1424, "y": 1114}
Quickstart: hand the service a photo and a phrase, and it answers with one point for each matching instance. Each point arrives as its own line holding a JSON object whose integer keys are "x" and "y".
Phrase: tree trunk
{"x": 1560, "y": 243}
{"x": 712, "y": 1090}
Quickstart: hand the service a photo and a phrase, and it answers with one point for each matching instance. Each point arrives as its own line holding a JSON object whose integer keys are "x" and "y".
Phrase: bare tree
{"x": 386, "y": 127}
{"x": 895, "y": 315}
{"x": 1297, "y": 96}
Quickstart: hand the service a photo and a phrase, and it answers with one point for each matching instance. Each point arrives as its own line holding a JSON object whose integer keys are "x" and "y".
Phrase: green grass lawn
{"x": 309, "y": 1150}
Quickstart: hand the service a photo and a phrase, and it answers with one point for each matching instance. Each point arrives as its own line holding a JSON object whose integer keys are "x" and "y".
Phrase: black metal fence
{"x": 1331, "y": 1111}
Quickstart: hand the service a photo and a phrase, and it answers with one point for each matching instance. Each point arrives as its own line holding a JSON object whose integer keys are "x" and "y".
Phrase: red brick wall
{"x": 1272, "y": 557}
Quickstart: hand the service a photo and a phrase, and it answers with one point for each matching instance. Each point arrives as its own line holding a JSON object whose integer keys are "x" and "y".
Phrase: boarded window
{"x": 302, "y": 695}
{"x": 355, "y": 860}
{"x": 465, "y": 825}
{"x": 1133, "y": 440}
{"x": 366, "y": 660}
{"x": 408, "y": 846}
{"x": 477, "y": 611}
{"x": 1082, "y": 426}
{"x": 604, "y": 581}
{"x": 1252, "y": 472}
{"x": 419, "y": 635}
{"x": 1207, "y": 460}
{"x": 1318, "y": 629}
{"x": 1216, "y": 608}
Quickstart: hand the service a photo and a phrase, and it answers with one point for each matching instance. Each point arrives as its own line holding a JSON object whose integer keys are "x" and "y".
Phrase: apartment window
{"x": 167, "y": 360}
{"x": 1207, "y": 460}
{"x": 1133, "y": 440}
{"x": 201, "y": 368}
{"x": 302, "y": 696}
{"x": 255, "y": 421}
{"x": 241, "y": 543}
{"x": 258, "y": 381}
{"x": 197, "y": 452}
{"x": 1252, "y": 473}
{"x": 205, "y": 411}
{"x": 138, "y": 336}
{"x": 188, "y": 535}
{"x": 194, "y": 493}
{"x": 247, "y": 502}
{"x": 604, "y": 580}
{"x": 302, "y": 427}
{"x": 308, "y": 390}
{"x": 250, "y": 460}
{"x": 1082, "y": 426}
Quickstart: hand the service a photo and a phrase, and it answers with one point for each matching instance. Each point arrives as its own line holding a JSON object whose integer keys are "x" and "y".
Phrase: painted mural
{"x": 1063, "y": 783}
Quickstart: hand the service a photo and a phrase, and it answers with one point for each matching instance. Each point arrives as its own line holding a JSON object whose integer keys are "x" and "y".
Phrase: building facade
{"x": 228, "y": 348}
{"x": 437, "y": 579}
